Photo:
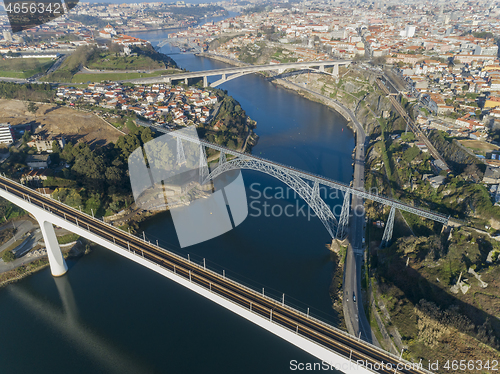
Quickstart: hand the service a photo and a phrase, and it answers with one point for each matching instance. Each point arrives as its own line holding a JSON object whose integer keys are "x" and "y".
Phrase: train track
{"x": 411, "y": 124}
{"x": 291, "y": 319}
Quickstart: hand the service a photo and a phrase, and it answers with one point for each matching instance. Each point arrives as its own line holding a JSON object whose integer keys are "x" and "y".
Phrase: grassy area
{"x": 125, "y": 121}
{"x": 24, "y": 67}
{"x": 69, "y": 238}
{"x": 108, "y": 61}
{"x": 13, "y": 245}
{"x": 83, "y": 78}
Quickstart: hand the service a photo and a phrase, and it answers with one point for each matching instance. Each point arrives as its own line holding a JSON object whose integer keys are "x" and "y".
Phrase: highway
{"x": 354, "y": 313}
{"x": 291, "y": 319}
{"x": 353, "y": 308}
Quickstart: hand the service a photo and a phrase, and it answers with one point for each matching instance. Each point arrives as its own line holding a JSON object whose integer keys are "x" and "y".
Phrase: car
{"x": 353, "y": 297}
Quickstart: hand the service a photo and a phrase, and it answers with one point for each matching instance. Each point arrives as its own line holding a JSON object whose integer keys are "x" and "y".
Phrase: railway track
{"x": 411, "y": 124}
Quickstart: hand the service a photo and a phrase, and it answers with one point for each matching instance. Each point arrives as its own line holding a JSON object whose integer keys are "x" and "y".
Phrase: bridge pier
{"x": 181, "y": 157}
{"x": 388, "y": 229}
{"x": 344, "y": 217}
{"x": 322, "y": 68}
{"x": 336, "y": 70}
{"x": 205, "y": 82}
{"x": 57, "y": 263}
{"x": 186, "y": 81}
{"x": 203, "y": 167}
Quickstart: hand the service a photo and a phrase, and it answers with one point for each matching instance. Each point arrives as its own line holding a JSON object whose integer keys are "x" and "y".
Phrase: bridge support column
{"x": 222, "y": 158}
{"x": 203, "y": 167}
{"x": 388, "y": 229}
{"x": 58, "y": 266}
{"x": 344, "y": 217}
{"x": 181, "y": 157}
{"x": 322, "y": 68}
{"x": 224, "y": 77}
{"x": 186, "y": 81}
{"x": 281, "y": 71}
{"x": 336, "y": 70}
{"x": 205, "y": 82}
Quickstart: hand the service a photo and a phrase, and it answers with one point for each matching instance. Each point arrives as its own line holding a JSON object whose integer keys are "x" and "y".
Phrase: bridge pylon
{"x": 344, "y": 217}
{"x": 57, "y": 263}
{"x": 336, "y": 70}
{"x": 203, "y": 167}
{"x": 181, "y": 157}
{"x": 222, "y": 158}
{"x": 388, "y": 229}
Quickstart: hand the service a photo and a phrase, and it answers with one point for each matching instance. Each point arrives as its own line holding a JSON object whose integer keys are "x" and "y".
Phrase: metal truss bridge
{"x": 304, "y": 183}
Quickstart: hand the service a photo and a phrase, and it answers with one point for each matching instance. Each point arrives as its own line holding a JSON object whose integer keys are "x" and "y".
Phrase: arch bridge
{"x": 305, "y": 184}
{"x": 228, "y": 74}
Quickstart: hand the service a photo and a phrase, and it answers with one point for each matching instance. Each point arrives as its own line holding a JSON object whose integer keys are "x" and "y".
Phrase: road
{"x": 354, "y": 313}
{"x": 268, "y": 308}
{"x": 13, "y": 80}
{"x": 354, "y": 310}
{"x": 22, "y": 227}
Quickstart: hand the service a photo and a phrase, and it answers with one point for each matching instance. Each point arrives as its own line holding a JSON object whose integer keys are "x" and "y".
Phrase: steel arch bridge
{"x": 309, "y": 194}
{"x": 300, "y": 182}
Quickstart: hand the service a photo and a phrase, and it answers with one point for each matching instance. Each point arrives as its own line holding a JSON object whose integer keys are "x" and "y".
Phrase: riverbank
{"x": 34, "y": 265}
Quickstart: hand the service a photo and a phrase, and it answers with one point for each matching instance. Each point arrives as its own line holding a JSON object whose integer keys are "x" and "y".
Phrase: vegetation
{"x": 142, "y": 58}
{"x": 24, "y": 67}
{"x": 230, "y": 127}
{"x": 69, "y": 238}
{"x": 27, "y": 92}
{"x": 8, "y": 256}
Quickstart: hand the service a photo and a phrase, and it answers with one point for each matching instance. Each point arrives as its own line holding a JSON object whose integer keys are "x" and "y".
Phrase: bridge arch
{"x": 309, "y": 194}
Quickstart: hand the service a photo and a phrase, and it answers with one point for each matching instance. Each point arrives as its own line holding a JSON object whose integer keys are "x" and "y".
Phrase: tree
{"x": 56, "y": 148}
{"x": 32, "y": 108}
{"x": 26, "y": 136}
{"x": 8, "y": 256}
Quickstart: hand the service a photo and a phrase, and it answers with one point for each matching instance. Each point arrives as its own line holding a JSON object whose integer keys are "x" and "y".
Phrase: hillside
{"x": 144, "y": 58}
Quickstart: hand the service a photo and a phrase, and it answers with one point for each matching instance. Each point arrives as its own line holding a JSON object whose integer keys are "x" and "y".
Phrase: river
{"x": 111, "y": 315}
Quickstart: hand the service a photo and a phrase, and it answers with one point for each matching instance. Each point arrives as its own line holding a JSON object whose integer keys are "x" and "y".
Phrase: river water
{"x": 111, "y": 315}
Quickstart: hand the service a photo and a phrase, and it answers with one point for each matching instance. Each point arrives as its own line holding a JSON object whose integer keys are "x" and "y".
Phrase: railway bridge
{"x": 329, "y": 344}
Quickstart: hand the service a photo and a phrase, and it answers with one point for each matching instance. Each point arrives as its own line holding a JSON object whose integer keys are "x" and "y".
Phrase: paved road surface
{"x": 355, "y": 316}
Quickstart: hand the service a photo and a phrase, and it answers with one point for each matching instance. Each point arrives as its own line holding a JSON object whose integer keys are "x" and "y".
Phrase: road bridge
{"x": 331, "y": 345}
{"x": 228, "y": 74}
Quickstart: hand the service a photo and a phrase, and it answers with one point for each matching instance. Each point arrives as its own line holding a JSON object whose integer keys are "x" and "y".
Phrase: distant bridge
{"x": 236, "y": 72}
{"x": 189, "y": 42}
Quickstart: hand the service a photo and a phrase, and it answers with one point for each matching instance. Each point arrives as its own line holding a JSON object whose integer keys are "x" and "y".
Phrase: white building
{"x": 7, "y": 35}
{"x": 408, "y": 32}
{"x": 6, "y": 133}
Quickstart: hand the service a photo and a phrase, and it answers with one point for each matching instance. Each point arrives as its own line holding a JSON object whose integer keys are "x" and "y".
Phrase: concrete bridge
{"x": 232, "y": 73}
{"x": 331, "y": 345}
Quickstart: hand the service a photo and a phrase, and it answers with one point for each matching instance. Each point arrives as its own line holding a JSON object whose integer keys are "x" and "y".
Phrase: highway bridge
{"x": 232, "y": 73}
{"x": 327, "y": 343}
